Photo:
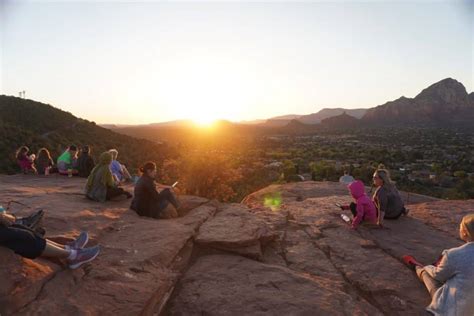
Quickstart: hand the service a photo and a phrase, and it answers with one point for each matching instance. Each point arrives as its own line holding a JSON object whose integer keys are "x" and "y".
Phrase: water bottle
{"x": 46, "y": 171}
{"x": 2, "y": 210}
{"x": 345, "y": 218}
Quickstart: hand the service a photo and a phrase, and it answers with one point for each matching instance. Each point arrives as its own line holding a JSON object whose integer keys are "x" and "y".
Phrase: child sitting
{"x": 67, "y": 161}
{"x": 363, "y": 209}
{"x": 25, "y": 162}
{"x": 44, "y": 162}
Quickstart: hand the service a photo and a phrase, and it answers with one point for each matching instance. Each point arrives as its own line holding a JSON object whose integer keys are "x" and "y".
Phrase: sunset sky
{"x": 124, "y": 62}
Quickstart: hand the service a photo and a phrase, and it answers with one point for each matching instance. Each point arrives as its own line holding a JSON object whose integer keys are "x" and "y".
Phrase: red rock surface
{"x": 297, "y": 258}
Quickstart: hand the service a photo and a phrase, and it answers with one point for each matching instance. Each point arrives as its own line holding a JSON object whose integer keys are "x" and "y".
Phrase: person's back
{"x": 42, "y": 163}
{"x": 145, "y": 197}
{"x": 389, "y": 200}
{"x": 98, "y": 190}
{"x": 346, "y": 179}
{"x": 456, "y": 296}
{"x": 85, "y": 164}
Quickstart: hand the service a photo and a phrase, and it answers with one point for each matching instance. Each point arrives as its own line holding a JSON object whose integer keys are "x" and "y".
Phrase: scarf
{"x": 104, "y": 167}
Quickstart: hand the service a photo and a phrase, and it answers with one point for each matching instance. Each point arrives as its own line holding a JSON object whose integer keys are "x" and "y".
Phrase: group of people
{"x": 103, "y": 183}
{"x": 450, "y": 281}
{"x": 73, "y": 161}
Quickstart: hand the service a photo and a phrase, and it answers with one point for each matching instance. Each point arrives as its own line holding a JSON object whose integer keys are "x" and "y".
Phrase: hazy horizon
{"x": 139, "y": 63}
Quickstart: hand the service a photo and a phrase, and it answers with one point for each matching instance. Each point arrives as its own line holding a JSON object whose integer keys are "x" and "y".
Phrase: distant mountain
{"x": 325, "y": 113}
{"x": 342, "y": 121}
{"x": 441, "y": 104}
{"x": 36, "y": 125}
{"x": 287, "y": 117}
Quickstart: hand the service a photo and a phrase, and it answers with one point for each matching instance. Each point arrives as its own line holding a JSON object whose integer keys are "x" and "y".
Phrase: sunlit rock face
{"x": 283, "y": 250}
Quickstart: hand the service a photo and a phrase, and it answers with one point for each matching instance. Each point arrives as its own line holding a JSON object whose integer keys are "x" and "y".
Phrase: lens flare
{"x": 273, "y": 201}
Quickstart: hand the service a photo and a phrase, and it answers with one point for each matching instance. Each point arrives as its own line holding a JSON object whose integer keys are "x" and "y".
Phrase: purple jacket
{"x": 366, "y": 210}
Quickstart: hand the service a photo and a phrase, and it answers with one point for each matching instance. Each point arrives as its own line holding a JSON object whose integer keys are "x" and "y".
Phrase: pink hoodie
{"x": 366, "y": 210}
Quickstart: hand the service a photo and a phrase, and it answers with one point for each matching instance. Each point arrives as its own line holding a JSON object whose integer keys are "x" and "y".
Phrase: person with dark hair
{"x": 85, "y": 162}
{"x": 100, "y": 183}
{"x": 25, "y": 162}
{"x": 148, "y": 201}
{"x": 386, "y": 197}
{"x": 450, "y": 280}
{"x": 29, "y": 244}
{"x": 43, "y": 161}
{"x": 67, "y": 161}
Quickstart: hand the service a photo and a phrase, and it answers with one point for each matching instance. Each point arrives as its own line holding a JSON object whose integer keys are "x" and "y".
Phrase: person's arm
{"x": 7, "y": 220}
{"x": 151, "y": 188}
{"x": 360, "y": 215}
{"x": 444, "y": 271}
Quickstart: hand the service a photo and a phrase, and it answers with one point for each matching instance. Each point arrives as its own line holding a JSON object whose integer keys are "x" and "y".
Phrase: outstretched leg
{"x": 431, "y": 284}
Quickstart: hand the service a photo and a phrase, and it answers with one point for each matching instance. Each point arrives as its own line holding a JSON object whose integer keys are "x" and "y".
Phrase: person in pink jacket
{"x": 364, "y": 208}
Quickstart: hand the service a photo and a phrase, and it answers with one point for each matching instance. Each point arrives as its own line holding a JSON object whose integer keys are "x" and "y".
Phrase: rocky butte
{"x": 225, "y": 259}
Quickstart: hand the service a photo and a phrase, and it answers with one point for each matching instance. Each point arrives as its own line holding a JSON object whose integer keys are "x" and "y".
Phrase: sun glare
{"x": 204, "y": 121}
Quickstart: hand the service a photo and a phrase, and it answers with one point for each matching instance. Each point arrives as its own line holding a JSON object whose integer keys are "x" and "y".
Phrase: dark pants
{"x": 353, "y": 207}
{"x": 22, "y": 240}
{"x": 114, "y": 192}
{"x": 396, "y": 216}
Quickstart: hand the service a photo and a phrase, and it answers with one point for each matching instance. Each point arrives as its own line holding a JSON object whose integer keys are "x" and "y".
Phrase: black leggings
{"x": 22, "y": 240}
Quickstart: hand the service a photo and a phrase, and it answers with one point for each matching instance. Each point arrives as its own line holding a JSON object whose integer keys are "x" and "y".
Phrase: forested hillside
{"x": 36, "y": 125}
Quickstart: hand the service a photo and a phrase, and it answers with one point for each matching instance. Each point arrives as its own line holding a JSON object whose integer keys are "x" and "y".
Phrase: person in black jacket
{"x": 85, "y": 163}
{"x": 147, "y": 201}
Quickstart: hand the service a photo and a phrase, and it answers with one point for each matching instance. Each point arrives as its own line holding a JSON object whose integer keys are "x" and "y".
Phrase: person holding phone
{"x": 150, "y": 202}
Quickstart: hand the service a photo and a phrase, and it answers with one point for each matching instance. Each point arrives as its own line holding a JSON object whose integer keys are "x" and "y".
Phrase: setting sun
{"x": 204, "y": 121}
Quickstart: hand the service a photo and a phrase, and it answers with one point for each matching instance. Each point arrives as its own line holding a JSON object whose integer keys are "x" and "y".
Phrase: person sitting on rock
{"x": 67, "y": 161}
{"x": 386, "y": 197}
{"x": 100, "y": 183}
{"x": 346, "y": 178}
{"x": 363, "y": 209}
{"x": 450, "y": 281}
{"x": 148, "y": 201}
{"x": 29, "y": 244}
{"x": 44, "y": 163}
{"x": 25, "y": 161}
{"x": 119, "y": 171}
{"x": 85, "y": 162}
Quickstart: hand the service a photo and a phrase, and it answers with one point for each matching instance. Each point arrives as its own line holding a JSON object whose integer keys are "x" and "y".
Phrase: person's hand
{"x": 7, "y": 219}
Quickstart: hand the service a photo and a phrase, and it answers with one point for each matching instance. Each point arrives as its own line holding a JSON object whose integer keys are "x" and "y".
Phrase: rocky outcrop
{"x": 295, "y": 257}
{"x": 442, "y": 103}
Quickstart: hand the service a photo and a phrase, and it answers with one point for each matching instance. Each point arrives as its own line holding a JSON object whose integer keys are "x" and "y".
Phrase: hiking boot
{"x": 84, "y": 256}
{"x": 411, "y": 262}
{"x": 80, "y": 241}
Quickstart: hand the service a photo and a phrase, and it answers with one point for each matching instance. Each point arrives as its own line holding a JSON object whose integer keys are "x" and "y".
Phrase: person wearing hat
{"x": 450, "y": 281}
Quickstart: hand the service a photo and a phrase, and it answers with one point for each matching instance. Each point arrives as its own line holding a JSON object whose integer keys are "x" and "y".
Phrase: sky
{"x": 129, "y": 62}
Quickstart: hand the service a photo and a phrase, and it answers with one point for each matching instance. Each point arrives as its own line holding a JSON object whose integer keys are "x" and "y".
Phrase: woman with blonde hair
{"x": 119, "y": 171}
{"x": 450, "y": 281}
{"x": 387, "y": 199}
